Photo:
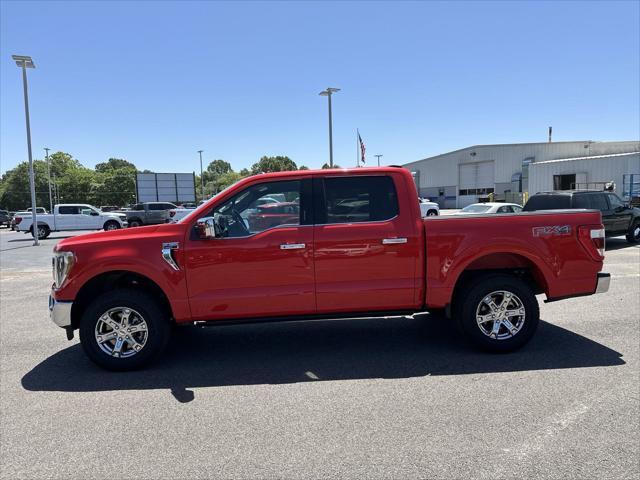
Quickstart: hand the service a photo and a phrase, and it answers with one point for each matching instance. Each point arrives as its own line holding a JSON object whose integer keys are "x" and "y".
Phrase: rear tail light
{"x": 592, "y": 238}
{"x": 18, "y": 220}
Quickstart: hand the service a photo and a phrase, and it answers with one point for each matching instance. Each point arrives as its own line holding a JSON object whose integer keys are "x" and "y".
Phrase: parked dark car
{"x": 148, "y": 213}
{"x": 5, "y": 218}
{"x": 618, "y": 217}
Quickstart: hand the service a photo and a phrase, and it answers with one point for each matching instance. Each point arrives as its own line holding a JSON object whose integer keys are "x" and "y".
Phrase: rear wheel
{"x": 432, "y": 213}
{"x": 43, "y": 231}
{"x": 111, "y": 225}
{"x": 634, "y": 232}
{"x": 123, "y": 330}
{"x": 498, "y": 313}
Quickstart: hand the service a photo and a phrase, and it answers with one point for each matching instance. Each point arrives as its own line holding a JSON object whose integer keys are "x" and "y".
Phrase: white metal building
{"x": 461, "y": 177}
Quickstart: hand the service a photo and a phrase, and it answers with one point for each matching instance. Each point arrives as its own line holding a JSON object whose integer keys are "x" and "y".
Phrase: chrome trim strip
{"x": 604, "y": 281}
{"x": 167, "y": 254}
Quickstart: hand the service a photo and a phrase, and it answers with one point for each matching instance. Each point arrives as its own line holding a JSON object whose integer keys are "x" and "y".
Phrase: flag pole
{"x": 357, "y": 149}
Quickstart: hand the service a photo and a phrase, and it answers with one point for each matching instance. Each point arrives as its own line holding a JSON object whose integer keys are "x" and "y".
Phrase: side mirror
{"x": 94, "y": 214}
{"x": 206, "y": 227}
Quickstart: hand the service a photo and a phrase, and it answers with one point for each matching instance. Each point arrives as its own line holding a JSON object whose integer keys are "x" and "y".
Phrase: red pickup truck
{"x": 357, "y": 247}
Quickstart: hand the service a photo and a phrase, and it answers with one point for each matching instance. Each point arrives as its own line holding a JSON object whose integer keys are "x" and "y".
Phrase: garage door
{"x": 476, "y": 179}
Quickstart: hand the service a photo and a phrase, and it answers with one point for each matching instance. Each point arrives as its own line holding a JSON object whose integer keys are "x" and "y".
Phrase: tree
{"x": 273, "y": 164}
{"x": 115, "y": 164}
{"x": 326, "y": 166}
{"x": 245, "y": 172}
{"x": 303, "y": 167}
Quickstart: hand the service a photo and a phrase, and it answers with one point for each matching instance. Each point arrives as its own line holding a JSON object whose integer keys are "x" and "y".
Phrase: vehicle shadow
{"x": 616, "y": 243}
{"x": 29, "y": 238}
{"x": 317, "y": 351}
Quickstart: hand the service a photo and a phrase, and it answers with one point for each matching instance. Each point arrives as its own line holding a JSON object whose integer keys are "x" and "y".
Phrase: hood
{"x": 121, "y": 235}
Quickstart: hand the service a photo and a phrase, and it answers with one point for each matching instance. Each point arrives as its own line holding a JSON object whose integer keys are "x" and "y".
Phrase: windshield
{"x": 202, "y": 202}
{"x": 476, "y": 208}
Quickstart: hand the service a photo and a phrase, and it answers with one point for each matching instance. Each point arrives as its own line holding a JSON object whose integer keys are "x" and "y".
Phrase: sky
{"x": 155, "y": 81}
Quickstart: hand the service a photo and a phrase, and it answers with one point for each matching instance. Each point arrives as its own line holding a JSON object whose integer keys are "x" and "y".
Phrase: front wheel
{"x": 498, "y": 313}
{"x": 634, "y": 232}
{"x": 124, "y": 330}
{"x": 432, "y": 213}
{"x": 111, "y": 225}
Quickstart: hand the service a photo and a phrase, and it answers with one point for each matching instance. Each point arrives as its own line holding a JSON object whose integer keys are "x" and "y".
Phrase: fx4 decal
{"x": 556, "y": 230}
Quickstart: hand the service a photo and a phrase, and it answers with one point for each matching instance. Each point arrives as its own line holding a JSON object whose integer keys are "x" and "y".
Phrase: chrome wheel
{"x": 112, "y": 226}
{"x": 636, "y": 232}
{"x": 500, "y": 315}
{"x": 42, "y": 232}
{"x": 121, "y": 332}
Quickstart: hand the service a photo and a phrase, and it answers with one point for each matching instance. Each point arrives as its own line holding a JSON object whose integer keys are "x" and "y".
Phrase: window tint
{"x": 169, "y": 206}
{"x": 360, "y": 199}
{"x": 68, "y": 210}
{"x": 260, "y": 207}
{"x": 138, "y": 207}
{"x": 615, "y": 201}
{"x": 547, "y": 202}
{"x": 581, "y": 201}
{"x": 504, "y": 210}
{"x": 599, "y": 202}
{"x": 157, "y": 206}
{"x": 86, "y": 211}
{"x": 516, "y": 209}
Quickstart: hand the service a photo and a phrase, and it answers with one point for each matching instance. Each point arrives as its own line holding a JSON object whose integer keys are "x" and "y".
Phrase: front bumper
{"x": 602, "y": 285}
{"x": 60, "y": 312}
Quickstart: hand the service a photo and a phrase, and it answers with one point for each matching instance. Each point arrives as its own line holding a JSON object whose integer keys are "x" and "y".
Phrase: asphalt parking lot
{"x": 383, "y": 398}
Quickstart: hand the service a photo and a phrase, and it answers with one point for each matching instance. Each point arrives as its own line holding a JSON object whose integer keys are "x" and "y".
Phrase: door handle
{"x": 392, "y": 241}
{"x": 292, "y": 246}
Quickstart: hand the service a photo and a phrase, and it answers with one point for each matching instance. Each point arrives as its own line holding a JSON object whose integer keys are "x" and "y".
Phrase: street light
{"x": 25, "y": 62}
{"x": 378, "y": 157}
{"x": 327, "y": 93}
{"x": 49, "y": 174}
{"x": 201, "y": 177}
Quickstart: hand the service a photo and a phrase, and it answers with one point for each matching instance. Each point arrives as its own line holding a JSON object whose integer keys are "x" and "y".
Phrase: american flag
{"x": 362, "y": 148}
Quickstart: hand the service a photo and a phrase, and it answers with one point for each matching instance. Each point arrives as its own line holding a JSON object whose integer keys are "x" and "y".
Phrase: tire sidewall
{"x": 631, "y": 238}
{"x": 135, "y": 223}
{"x": 477, "y": 291}
{"x": 157, "y": 325}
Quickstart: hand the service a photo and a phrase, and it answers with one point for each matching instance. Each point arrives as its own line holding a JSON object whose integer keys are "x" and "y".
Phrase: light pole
{"x": 327, "y": 93}
{"x": 25, "y": 62}
{"x": 201, "y": 177}
{"x": 49, "y": 173}
{"x": 378, "y": 157}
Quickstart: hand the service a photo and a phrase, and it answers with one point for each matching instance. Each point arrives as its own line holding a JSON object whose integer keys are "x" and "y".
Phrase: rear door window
{"x": 548, "y": 202}
{"x": 359, "y": 199}
{"x": 599, "y": 202}
{"x": 68, "y": 210}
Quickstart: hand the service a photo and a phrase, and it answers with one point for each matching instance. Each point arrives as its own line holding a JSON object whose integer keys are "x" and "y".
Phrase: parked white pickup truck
{"x": 71, "y": 216}
{"x": 429, "y": 209}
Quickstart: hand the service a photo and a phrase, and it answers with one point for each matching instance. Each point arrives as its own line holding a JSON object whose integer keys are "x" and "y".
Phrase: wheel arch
{"x": 113, "y": 280}
{"x": 506, "y": 263}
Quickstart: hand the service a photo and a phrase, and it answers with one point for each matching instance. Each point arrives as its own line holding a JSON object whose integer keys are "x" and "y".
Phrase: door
{"x": 89, "y": 219}
{"x": 263, "y": 264}
{"x": 621, "y": 213}
{"x": 156, "y": 213}
{"x": 66, "y": 219}
{"x": 365, "y": 250}
{"x": 598, "y": 201}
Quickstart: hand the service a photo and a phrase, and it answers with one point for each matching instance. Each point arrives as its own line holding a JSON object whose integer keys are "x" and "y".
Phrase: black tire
{"x": 135, "y": 222}
{"x": 432, "y": 213}
{"x": 43, "y": 231}
{"x": 111, "y": 225}
{"x": 487, "y": 286}
{"x": 157, "y": 331}
{"x": 633, "y": 236}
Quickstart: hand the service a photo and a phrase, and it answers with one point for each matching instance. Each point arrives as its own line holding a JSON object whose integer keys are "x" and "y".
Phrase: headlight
{"x": 61, "y": 263}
